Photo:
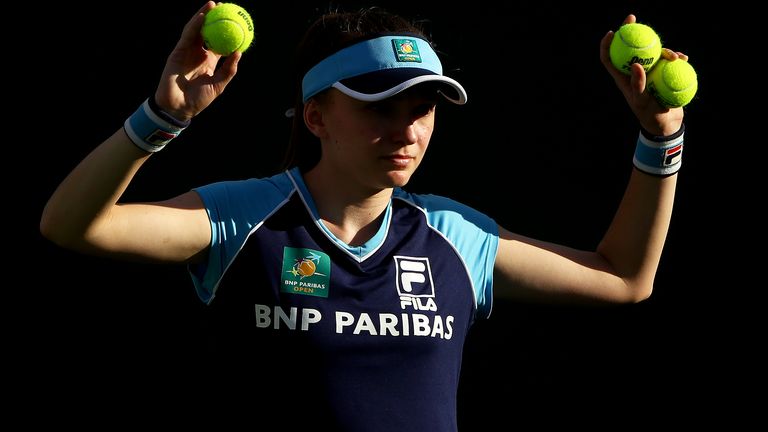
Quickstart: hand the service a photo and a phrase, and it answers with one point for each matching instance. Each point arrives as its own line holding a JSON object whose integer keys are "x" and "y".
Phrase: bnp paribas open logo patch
{"x": 306, "y": 272}
{"x": 406, "y": 50}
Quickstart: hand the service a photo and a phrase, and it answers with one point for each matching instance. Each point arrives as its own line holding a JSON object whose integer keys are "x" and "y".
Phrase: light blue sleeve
{"x": 474, "y": 235}
{"x": 235, "y": 209}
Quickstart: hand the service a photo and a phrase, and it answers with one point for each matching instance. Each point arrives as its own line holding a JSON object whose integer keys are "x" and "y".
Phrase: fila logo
{"x": 414, "y": 283}
{"x": 159, "y": 137}
{"x": 673, "y": 155}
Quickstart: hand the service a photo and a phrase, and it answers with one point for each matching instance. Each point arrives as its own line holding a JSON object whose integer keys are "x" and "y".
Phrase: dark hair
{"x": 329, "y": 33}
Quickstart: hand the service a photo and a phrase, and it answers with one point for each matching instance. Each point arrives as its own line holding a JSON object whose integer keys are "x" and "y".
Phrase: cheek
{"x": 424, "y": 133}
{"x": 356, "y": 130}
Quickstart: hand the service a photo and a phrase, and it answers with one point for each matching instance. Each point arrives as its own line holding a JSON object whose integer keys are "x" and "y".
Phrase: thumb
{"x": 224, "y": 74}
{"x": 638, "y": 79}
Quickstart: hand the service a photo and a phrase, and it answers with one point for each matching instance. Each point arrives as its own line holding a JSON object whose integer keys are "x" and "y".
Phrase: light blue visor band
{"x": 379, "y": 68}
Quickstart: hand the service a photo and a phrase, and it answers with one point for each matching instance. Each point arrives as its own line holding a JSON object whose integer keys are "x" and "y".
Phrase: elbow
{"x": 57, "y": 231}
{"x": 642, "y": 295}
{"x": 50, "y": 229}
{"x": 47, "y": 226}
{"x": 639, "y": 292}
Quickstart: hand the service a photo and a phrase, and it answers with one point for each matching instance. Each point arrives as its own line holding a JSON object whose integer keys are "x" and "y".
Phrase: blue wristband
{"x": 149, "y": 130}
{"x": 657, "y": 155}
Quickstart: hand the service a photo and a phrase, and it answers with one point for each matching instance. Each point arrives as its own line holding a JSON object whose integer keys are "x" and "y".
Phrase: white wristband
{"x": 148, "y": 130}
{"x": 660, "y": 156}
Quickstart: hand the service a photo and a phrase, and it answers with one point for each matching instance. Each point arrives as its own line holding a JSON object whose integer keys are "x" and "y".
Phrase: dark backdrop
{"x": 544, "y": 146}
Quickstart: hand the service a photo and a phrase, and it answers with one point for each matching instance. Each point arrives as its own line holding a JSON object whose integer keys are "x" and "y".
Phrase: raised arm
{"x": 84, "y": 213}
{"x": 623, "y": 267}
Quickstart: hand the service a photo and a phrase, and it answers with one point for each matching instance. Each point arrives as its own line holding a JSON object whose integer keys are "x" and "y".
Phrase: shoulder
{"x": 246, "y": 200}
{"x": 442, "y": 211}
{"x": 473, "y": 235}
{"x": 279, "y": 185}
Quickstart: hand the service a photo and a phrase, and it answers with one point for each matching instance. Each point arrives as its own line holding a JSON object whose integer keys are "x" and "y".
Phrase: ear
{"x": 313, "y": 118}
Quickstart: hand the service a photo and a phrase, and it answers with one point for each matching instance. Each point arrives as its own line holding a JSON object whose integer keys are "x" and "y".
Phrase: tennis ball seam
{"x": 234, "y": 23}
{"x": 632, "y": 45}
{"x": 635, "y": 43}
{"x": 666, "y": 80}
{"x": 218, "y": 29}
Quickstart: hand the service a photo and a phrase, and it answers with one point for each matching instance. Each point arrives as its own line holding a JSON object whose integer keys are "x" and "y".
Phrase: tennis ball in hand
{"x": 635, "y": 43}
{"x": 673, "y": 83}
{"x": 227, "y": 28}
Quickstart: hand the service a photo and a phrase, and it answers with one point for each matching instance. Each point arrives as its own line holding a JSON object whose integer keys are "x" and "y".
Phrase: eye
{"x": 423, "y": 110}
{"x": 381, "y": 107}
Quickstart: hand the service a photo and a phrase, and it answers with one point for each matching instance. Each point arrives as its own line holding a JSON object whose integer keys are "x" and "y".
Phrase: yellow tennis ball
{"x": 635, "y": 43}
{"x": 673, "y": 83}
{"x": 227, "y": 28}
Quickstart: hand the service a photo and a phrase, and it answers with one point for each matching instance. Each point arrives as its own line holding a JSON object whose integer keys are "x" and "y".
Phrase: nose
{"x": 406, "y": 131}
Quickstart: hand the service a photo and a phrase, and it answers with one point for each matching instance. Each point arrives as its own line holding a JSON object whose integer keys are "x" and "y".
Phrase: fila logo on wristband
{"x": 148, "y": 130}
{"x": 659, "y": 157}
{"x": 160, "y": 137}
{"x": 673, "y": 155}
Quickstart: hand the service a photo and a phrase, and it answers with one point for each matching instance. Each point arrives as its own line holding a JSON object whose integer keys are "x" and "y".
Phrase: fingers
{"x": 630, "y": 19}
{"x": 670, "y": 55}
{"x": 191, "y": 32}
{"x": 605, "y": 59}
{"x": 638, "y": 79}
{"x": 224, "y": 74}
{"x": 206, "y": 7}
{"x": 605, "y": 45}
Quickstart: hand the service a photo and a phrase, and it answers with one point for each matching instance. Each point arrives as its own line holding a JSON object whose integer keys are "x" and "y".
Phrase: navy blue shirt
{"x": 317, "y": 332}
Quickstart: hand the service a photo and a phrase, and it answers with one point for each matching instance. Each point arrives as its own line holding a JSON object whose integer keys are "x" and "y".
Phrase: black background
{"x": 544, "y": 146}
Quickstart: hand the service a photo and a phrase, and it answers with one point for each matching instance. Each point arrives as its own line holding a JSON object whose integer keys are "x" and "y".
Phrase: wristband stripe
{"x": 659, "y": 157}
{"x": 149, "y": 131}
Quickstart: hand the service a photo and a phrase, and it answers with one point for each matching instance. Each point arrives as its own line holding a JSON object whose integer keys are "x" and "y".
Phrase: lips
{"x": 399, "y": 160}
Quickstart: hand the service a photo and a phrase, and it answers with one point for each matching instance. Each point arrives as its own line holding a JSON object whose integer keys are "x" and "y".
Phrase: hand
{"x": 190, "y": 79}
{"x": 653, "y": 117}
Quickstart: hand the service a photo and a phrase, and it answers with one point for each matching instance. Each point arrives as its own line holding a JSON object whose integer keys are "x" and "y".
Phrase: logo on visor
{"x": 406, "y": 50}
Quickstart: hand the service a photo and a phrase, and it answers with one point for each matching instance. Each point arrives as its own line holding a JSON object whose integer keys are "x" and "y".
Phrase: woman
{"x": 332, "y": 291}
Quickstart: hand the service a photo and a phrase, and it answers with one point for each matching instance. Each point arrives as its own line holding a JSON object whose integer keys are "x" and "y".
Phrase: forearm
{"x": 87, "y": 195}
{"x": 634, "y": 241}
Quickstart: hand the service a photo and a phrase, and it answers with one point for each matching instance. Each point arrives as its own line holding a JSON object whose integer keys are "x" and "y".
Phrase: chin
{"x": 399, "y": 178}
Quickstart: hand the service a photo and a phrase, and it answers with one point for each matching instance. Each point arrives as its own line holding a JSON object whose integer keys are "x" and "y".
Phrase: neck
{"x": 351, "y": 212}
